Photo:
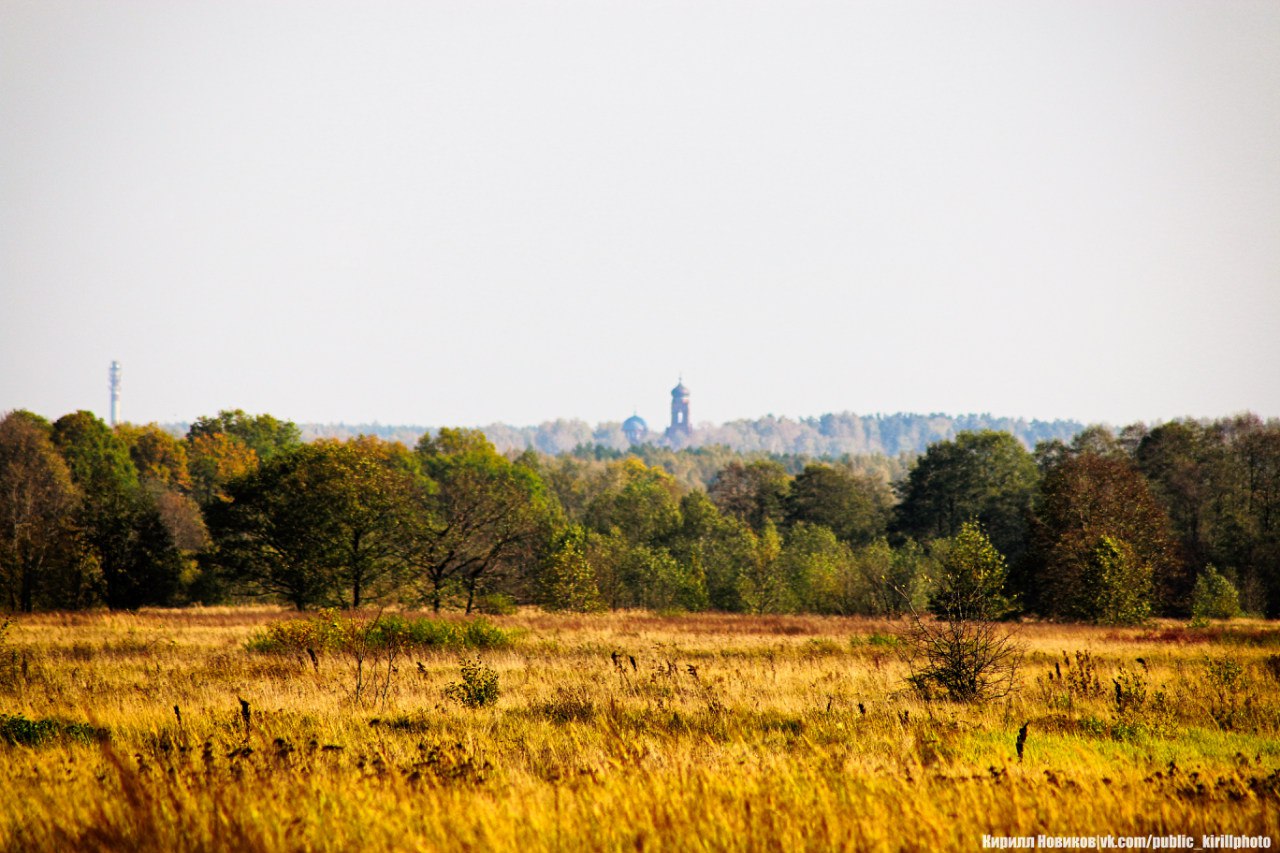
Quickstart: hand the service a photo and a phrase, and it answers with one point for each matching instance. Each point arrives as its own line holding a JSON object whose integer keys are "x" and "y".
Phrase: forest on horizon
{"x": 827, "y": 436}
{"x": 1110, "y": 526}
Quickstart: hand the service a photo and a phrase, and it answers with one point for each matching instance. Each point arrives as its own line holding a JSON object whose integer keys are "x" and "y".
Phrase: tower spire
{"x": 114, "y": 377}
{"x": 681, "y": 427}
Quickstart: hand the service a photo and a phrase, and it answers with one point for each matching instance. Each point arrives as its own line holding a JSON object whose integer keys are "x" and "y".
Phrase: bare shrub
{"x": 963, "y": 660}
{"x": 963, "y": 653}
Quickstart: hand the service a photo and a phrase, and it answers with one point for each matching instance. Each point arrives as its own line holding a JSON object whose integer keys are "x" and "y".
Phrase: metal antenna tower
{"x": 114, "y": 375}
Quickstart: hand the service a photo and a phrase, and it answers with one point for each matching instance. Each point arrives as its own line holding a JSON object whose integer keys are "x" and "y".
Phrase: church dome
{"x": 635, "y": 423}
{"x": 680, "y": 390}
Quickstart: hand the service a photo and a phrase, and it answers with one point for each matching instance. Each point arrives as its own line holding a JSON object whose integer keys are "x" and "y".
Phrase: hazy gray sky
{"x": 462, "y": 212}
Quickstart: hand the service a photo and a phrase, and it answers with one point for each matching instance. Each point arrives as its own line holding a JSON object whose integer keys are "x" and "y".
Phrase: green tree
{"x": 1115, "y": 584}
{"x": 763, "y": 586}
{"x": 964, "y": 652}
{"x": 320, "y": 524}
{"x": 120, "y": 523}
{"x": 38, "y": 503}
{"x": 715, "y": 546}
{"x": 1214, "y": 597}
{"x": 663, "y": 583}
{"x": 97, "y": 458}
{"x": 988, "y": 477}
{"x": 568, "y": 581}
{"x": 365, "y": 486}
{"x": 1248, "y": 534}
{"x": 1098, "y": 440}
{"x": 1088, "y": 500}
{"x": 264, "y": 434}
{"x": 608, "y": 554}
{"x": 1220, "y": 482}
{"x": 752, "y": 492}
{"x": 853, "y": 507}
{"x": 823, "y": 574}
{"x": 642, "y": 502}
{"x": 574, "y": 482}
{"x": 911, "y": 577}
{"x": 485, "y": 519}
{"x": 971, "y": 585}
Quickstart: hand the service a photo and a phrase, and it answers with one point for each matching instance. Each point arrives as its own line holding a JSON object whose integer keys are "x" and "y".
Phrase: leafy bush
{"x": 496, "y": 604}
{"x": 295, "y": 635}
{"x": 330, "y": 631}
{"x": 1131, "y": 694}
{"x": 1232, "y": 697}
{"x": 16, "y": 730}
{"x": 478, "y": 687}
{"x": 1214, "y": 597}
{"x": 482, "y": 634}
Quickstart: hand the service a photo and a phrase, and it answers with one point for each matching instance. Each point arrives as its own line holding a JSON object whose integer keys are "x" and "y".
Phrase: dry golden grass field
{"x": 210, "y": 729}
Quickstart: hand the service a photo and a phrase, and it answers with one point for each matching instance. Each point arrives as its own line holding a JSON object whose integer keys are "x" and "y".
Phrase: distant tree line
{"x": 1179, "y": 519}
{"x": 830, "y": 436}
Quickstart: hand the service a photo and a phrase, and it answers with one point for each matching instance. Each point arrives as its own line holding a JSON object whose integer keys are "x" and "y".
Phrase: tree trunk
{"x": 28, "y": 587}
{"x": 356, "y": 571}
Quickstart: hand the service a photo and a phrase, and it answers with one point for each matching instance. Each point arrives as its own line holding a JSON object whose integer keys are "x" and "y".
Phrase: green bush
{"x": 331, "y": 631}
{"x": 1214, "y": 597}
{"x": 478, "y": 687}
{"x": 496, "y": 604}
{"x": 1232, "y": 697}
{"x": 483, "y": 634}
{"x": 17, "y": 730}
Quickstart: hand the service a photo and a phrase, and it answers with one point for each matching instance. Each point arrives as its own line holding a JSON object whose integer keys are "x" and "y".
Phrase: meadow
{"x": 259, "y": 729}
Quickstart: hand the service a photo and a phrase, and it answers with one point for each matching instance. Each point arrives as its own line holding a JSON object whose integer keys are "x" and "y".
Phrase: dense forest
{"x": 1109, "y": 526}
{"x": 828, "y": 436}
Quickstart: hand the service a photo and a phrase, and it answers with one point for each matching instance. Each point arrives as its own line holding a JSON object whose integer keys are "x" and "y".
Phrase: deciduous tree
{"x": 484, "y": 519}
{"x": 752, "y": 492}
{"x": 567, "y": 581}
{"x": 320, "y": 524}
{"x": 37, "y": 513}
{"x": 120, "y": 522}
{"x": 215, "y": 459}
{"x": 1089, "y": 497}
{"x": 853, "y": 507}
{"x": 988, "y": 477}
{"x": 264, "y": 434}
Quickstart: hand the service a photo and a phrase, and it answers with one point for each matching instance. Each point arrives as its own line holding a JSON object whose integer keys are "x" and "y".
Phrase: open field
{"x": 127, "y": 731}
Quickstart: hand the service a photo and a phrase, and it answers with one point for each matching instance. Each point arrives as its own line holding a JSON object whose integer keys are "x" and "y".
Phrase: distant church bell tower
{"x": 680, "y": 424}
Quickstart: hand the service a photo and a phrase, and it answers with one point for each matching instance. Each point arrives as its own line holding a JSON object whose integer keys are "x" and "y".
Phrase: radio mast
{"x": 114, "y": 375}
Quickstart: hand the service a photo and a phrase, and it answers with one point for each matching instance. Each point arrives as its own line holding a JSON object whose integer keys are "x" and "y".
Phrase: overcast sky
{"x": 464, "y": 212}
